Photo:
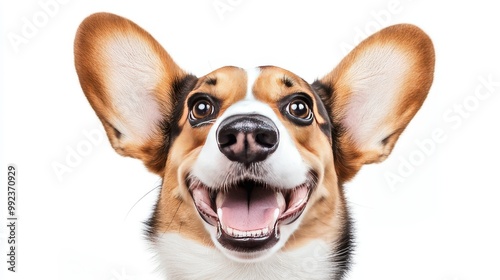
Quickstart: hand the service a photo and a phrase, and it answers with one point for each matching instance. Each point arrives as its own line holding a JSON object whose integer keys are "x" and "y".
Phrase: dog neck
{"x": 182, "y": 258}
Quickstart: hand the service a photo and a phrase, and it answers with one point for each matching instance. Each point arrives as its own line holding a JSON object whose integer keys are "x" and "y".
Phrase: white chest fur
{"x": 182, "y": 258}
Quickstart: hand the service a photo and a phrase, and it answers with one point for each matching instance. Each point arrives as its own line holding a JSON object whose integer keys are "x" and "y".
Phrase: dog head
{"x": 252, "y": 160}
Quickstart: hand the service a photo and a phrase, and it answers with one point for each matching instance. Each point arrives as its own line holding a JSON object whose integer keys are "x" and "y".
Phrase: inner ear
{"x": 132, "y": 84}
{"x": 374, "y": 93}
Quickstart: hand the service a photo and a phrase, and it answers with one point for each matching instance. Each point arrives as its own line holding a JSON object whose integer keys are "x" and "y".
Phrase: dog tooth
{"x": 280, "y": 199}
{"x": 265, "y": 231}
{"x": 219, "y": 198}
{"x": 229, "y": 231}
{"x": 276, "y": 214}
{"x": 255, "y": 233}
{"x": 219, "y": 213}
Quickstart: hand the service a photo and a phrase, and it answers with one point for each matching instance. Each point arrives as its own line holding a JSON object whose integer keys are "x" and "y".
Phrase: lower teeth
{"x": 265, "y": 232}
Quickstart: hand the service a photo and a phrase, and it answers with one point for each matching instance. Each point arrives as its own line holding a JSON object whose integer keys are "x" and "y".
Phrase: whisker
{"x": 173, "y": 217}
{"x": 137, "y": 202}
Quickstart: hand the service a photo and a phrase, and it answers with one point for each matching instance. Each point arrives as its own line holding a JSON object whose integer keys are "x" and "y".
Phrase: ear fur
{"x": 132, "y": 83}
{"x": 374, "y": 93}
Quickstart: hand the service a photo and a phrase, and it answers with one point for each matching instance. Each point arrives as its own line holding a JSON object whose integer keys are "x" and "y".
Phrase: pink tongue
{"x": 239, "y": 211}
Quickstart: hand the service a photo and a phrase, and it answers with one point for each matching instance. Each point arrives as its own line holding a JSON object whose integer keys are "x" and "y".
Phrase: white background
{"x": 441, "y": 223}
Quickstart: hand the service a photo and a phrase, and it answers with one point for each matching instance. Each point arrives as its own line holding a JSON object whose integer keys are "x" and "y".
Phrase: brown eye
{"x": 298, "y": 108}
{"x": 201, "y": 109}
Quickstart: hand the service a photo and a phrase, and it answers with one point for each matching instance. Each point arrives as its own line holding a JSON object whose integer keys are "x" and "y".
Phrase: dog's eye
{"x": 299, "y": 111}
{"x": 202, "y": 109}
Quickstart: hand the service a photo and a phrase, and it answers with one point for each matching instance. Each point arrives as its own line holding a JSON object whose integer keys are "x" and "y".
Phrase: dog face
{"x": 252, "y": 160}
{"x": 257, "y": 156}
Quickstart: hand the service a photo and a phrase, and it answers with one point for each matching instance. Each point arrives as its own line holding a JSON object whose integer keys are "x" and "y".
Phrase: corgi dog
{"x": 252, "y": 161}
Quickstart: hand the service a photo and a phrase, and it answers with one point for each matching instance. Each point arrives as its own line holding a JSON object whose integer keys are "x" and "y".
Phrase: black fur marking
{"x": 323, "y": 111}
{"x": 211, "y": 81}
{"x": 327, "y": 95}
{"x": 180, "y": 89}
{"x": 343, "y": 247}
{"x": 152, "y": 223}
{"x": 287, "y": 81}
{"x": 324, "y": 95}
{"x": 326, "y": 129}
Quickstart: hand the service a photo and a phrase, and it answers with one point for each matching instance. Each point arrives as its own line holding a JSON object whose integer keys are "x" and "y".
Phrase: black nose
{"x": 247, "y": 138}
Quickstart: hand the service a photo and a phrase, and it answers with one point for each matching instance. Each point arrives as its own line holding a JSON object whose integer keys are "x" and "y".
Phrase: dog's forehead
{"x": 273, "y": 83}
{"x": 264, "y": 83}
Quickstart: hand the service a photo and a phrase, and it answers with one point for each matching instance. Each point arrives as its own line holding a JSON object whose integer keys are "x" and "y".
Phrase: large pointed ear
{"x": 374, "y": 93}
{"x": 132, "y": 84}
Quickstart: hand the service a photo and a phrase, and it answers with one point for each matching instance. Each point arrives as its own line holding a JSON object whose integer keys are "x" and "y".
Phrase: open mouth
{"x": 248, "y": 214}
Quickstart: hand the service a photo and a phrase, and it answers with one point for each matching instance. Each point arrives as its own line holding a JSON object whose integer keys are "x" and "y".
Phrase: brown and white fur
{"x": 259, "y": 139}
